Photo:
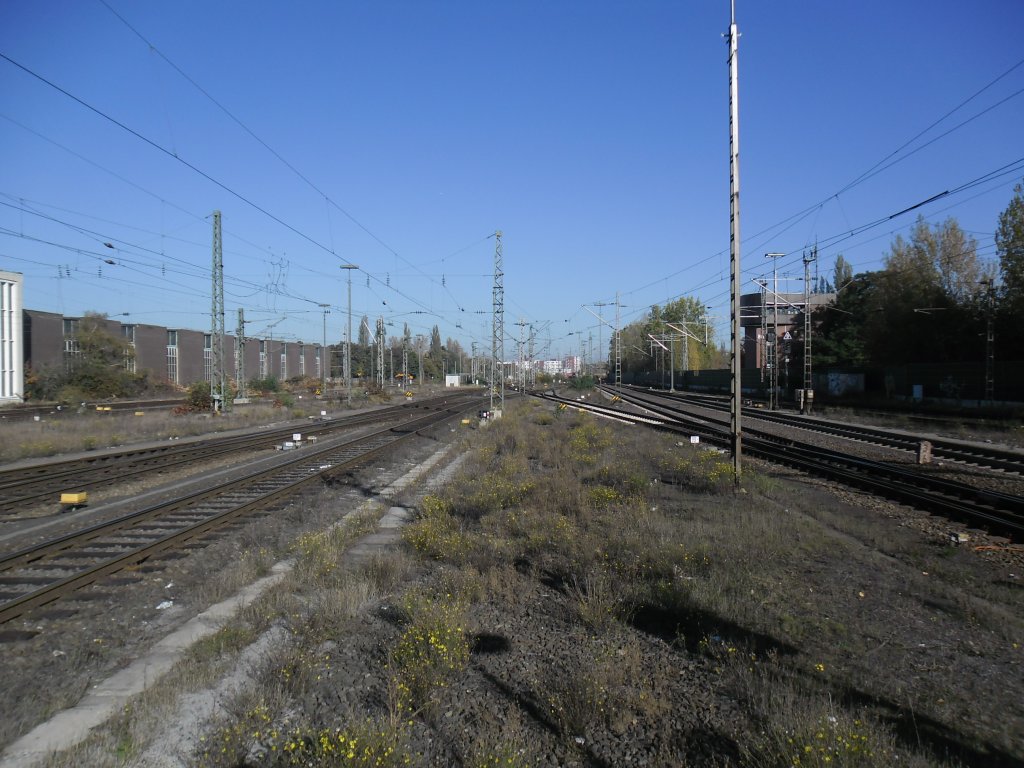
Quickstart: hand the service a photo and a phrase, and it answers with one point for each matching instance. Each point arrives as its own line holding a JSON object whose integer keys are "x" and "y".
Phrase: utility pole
{"x": 348, "y": 336}
{"x": 380, "y": 351}
{"x": 219, "y": 378}
{"x": 498, "y": 328}
{"x": 618, "y": 345}
{"x": 764, "y": 327}
{"x": 734, "y": 242}
{"x": 419, "y": 356}
{"x": 240, "y": 355}
{"x": 323, "y": 351}
{"x": 600, "y": 328}
{"x": 808, "y": 398}
{"x": 533, "y": 373}
{"x": 520, "y": 347}
{"x": 773, "y": 378}
{"x": 990, "y": 342}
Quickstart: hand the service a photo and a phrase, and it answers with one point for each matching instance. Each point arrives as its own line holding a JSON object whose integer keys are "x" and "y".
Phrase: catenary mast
{"x": 734, "y": 243}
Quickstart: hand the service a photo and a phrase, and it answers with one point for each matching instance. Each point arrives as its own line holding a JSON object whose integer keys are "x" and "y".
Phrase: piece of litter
{"x": 165, "y": 604}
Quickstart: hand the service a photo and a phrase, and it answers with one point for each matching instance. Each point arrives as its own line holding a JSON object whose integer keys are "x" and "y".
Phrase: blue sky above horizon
{"x": 400, "y": 135}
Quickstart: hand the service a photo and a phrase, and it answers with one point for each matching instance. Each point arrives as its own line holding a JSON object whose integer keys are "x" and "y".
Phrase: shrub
{"x": 432, "y": 651}
{"x": 436, "y": 533}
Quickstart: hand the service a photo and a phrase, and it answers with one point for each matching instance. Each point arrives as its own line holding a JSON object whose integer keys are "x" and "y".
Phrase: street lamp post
{"x": 348, "y": 337}
{"x": 773, "y": 379}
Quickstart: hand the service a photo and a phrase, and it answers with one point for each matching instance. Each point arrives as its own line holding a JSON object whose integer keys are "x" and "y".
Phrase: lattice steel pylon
{"x": 240, "y": 354}
{"x": 380, "y": 351}
{"x": 808, "y": 374}
{"x": 533, "y": 374}
{"x": 498, "y": 326}
{"x": 219, "y": 399}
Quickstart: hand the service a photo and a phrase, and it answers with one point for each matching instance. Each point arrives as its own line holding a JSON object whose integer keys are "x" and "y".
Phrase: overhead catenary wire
{"x": 327, "y": 198}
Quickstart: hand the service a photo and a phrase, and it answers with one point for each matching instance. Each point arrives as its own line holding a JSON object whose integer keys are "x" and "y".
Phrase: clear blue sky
{"x": 399, "y": 135}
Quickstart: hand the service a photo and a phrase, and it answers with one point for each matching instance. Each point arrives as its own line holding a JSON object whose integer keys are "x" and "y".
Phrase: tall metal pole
{"x": 348, "y": 337}
{"x": 600, "y": 330}
{"x": 323, "y": 353}
{"x": 734, "y": 244}
{"x": 808, "y": 375}
{"x": 990, "y": 343}
{"x": 240, "y": 355}
{"x": 381, "y": 338}
{"x": 498, "y": 327}
{"x": 773, "y": 377}
{"x": 219, "y": 400}
{"x": 618, "y": 344}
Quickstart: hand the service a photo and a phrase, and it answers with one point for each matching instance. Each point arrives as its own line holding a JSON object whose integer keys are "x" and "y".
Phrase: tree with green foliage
{"x": 838, "y": 328}
{"x": 364, "y": 332}
{"x": 681, "y": 326}
{"x": 842, "y": 274}
{"x": 924, "y": 305}
{"x": 435, "y": 343}
{"x": 98, "y": 366}
{"x": 1010, "y": 247}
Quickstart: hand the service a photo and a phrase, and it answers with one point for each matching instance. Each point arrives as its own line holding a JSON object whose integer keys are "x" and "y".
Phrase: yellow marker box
{"x": 74, "y": 498}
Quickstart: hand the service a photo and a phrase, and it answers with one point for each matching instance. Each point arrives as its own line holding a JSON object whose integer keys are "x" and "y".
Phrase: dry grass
{"x": 69, "y": 432}
{"x": 674, "y": 621}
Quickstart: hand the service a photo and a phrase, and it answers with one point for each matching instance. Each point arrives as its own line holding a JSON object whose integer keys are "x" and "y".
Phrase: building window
{"x": 128, "y": 331}
{"x": 172, "y": 357}
{"x": 208, "y": 357}
{"x": 284, "y": 363}
{"x": 71, "y": 349}
{"x": 319, "y": 364}
{"x": 302, "y": 359}
{"x": 263, "y": 359}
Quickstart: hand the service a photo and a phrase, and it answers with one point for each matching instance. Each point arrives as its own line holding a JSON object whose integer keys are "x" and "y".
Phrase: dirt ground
{"x": 858, "y": 611}
{"x": 888, "y": 621}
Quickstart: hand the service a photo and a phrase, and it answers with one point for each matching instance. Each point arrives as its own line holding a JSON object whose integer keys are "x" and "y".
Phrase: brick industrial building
{"x": 36, "y": 341}
{"x": 176, "y": 355}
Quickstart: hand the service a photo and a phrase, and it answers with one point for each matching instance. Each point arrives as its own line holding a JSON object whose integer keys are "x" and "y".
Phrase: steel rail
{"x": 948, "y": 450}
{"x": 1001, "y": 513}
{"x": 298, "y": 471}
{"x": 19, "y": 487}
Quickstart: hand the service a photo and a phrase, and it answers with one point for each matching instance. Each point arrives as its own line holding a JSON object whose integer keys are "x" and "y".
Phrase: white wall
{"x": 12, "y": 354}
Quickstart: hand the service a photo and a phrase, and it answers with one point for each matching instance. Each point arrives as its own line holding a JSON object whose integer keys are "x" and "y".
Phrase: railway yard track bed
{"x": 875, "y": 608}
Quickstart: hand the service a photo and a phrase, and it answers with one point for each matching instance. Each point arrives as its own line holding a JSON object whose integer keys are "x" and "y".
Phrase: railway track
{"x": 29, "y": 412}
{"x": 999, "y": 513}
{"x": 40, "y": 574}
{"x": 986, "y": 456}
{"x": 39, "y": 483}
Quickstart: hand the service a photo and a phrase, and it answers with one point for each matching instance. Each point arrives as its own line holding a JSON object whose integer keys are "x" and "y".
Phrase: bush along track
{"x": 586, "y": 594}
